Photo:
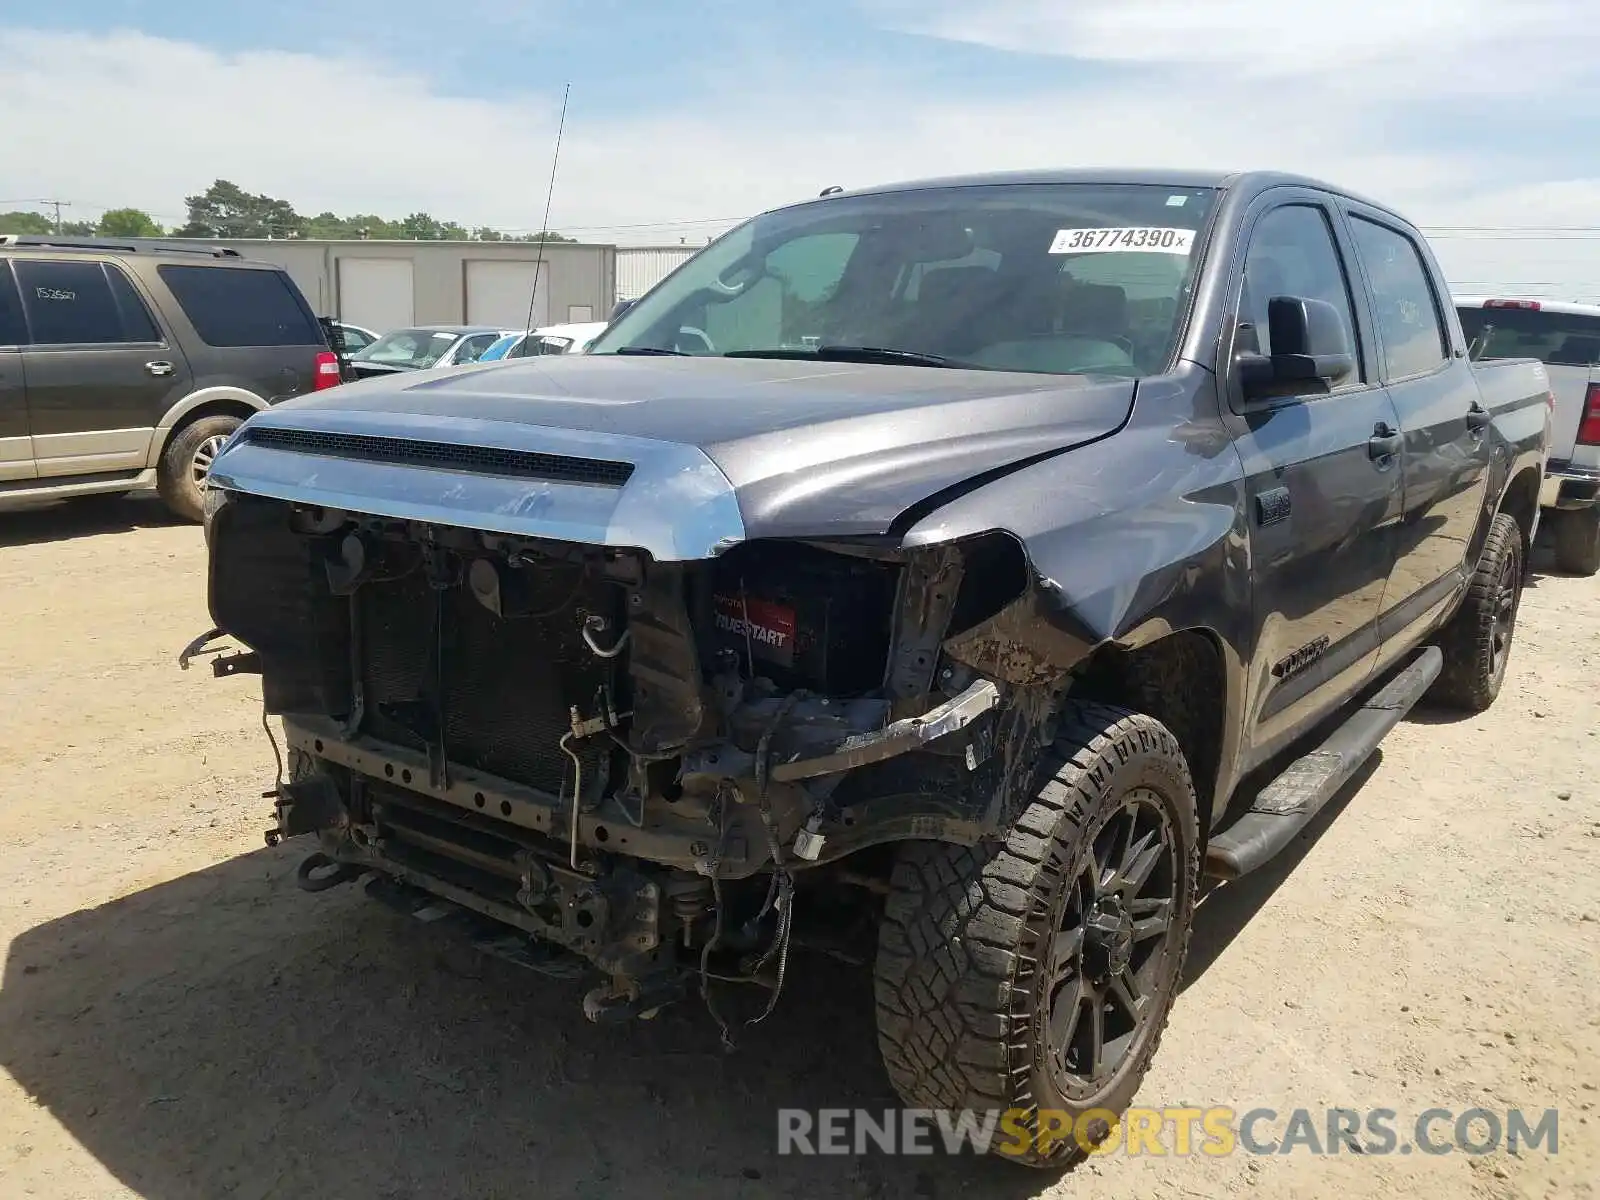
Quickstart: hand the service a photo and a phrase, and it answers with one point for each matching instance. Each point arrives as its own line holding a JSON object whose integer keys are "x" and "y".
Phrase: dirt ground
{"x": 178, "y": 1020}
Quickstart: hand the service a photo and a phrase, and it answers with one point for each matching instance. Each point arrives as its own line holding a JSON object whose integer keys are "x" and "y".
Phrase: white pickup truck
{"x": 1566, "y": 338}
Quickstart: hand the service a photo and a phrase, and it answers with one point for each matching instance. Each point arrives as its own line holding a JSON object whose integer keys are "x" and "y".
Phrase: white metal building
{"x": 640, "y": 268}
{"x": 385, "y": 285}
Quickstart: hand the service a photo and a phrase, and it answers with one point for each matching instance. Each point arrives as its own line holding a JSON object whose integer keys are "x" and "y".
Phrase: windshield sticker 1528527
{"x": 1106, "y": 241}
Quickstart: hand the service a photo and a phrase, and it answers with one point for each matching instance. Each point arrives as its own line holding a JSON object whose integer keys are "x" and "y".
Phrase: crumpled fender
{"x": 1130, "y": 538}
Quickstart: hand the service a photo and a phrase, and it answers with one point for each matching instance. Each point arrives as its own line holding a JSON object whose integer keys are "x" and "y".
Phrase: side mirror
{"x": 1311, "y": 350}
{"x": 621, "y": 307}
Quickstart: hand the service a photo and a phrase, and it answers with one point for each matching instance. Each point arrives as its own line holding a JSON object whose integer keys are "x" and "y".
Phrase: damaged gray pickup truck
{"x": 938, "y": 559}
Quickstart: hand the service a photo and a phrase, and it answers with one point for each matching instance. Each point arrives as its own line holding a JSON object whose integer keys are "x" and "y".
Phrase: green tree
{"x": 361, "y": 225}
{"x": 331, "y": 225}
{"x": 421, "y": 227}
{"x": 77, "y": 228}
{"x": 128, "y": 222}
{"x": 26, "y": 222}
{"x": 425, "y": 228}
{"x": 225, "y": 210}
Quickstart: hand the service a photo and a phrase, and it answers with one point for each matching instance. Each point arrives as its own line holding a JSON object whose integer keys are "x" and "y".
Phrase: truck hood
{"x": 748, "y": 447}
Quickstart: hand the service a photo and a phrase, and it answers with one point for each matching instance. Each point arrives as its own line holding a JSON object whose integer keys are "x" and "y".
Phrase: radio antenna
{"x": 544, "y": 233}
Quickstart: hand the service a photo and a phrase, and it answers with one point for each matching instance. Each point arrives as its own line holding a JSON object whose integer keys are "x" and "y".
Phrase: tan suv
{"x": 125, "y": 366}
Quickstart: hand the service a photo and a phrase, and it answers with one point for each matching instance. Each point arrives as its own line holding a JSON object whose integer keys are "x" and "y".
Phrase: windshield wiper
{"x": 883, "y": 354}
{"x": 650, "y": 350}
{"x": 860, "y": 354}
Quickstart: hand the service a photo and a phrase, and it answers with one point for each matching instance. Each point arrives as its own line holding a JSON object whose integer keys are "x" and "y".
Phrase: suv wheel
{"x": 1033, "y": 978}
{"x": 180, "y": 479}
{"x": 1577, "y": 540}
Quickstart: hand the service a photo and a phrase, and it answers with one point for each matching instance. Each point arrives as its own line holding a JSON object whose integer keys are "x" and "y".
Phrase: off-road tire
{"x": 1477, "y": 642}
{"x": 176, "y": 481}
{"x": 1576, "y": 534}
{"x": 964, "y": 942}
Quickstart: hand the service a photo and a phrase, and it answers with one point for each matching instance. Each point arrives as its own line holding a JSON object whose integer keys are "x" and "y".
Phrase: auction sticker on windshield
{"x": 1105, "y": 241}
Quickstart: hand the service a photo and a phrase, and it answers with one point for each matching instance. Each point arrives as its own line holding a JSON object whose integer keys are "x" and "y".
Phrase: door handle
{"x": 159, "y": 367}
{"x": 1384, "y": 442}
{"x": 1478, "y": 417}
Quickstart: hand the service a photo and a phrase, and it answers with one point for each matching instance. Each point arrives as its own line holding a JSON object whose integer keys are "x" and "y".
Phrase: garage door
{"x": 498, "y": 292}
{"x": 376, "y": 293}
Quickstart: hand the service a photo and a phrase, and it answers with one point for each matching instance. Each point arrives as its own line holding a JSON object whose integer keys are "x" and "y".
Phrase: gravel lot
{"x": 178, "y": 1020}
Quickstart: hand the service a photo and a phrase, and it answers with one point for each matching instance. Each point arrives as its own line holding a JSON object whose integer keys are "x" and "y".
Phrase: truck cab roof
{"x": 1239, "y": 182}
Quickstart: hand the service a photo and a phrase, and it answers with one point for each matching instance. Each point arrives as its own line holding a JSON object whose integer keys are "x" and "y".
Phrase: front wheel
{"x": 1033, "y": 978}
{"x": 181, "y": 477}
{"x": 1576, "y": 532}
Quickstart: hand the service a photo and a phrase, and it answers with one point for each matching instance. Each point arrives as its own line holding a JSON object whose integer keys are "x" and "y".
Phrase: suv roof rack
{"x": 149, "y": 245}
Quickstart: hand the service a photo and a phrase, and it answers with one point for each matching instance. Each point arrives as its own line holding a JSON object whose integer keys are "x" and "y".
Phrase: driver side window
{"x": 1293, "y": 253}
{"x": 779, "y": 307}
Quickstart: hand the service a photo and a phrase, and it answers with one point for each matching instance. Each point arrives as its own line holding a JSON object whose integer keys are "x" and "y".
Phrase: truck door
{"x": 1322, "y": 478}
{"x": 1445, "y": 455}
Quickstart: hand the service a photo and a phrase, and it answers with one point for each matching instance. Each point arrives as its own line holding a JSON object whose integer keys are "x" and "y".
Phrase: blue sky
{"x": 1463, "y": 112}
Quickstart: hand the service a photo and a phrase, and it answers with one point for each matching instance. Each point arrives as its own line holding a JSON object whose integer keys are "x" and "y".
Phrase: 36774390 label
{"x": 1149, "y": 239}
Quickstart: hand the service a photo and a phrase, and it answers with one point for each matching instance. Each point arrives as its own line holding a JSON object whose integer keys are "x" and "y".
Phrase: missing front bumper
{"x": 683, "y": 836}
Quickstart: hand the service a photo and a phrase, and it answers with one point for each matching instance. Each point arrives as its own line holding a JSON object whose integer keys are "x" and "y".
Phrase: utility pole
{"x": 56, "y": 204}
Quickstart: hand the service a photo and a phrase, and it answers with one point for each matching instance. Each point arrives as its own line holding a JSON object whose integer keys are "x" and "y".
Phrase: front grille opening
{"x": 445, "y": 456}
{"x": 508, "y": 685}
{"x": 425, "y": 836}
{"x": 470, "y": 860}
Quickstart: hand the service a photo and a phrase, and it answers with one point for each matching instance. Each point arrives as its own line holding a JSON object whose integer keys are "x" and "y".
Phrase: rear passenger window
{"x": 137, "y": 324}
{"x": 13, "y": 332}
{"x": 1410, "y": 325}
{"x": 71, "y": 303}
{"x": 1292, "y": 253}
{"x": 232, "y": 306}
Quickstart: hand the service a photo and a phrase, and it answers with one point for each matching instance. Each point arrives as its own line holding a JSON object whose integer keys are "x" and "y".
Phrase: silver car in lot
{"x": 422, "y": 347}
{"x": 571, "y": 338}
{"x": 353, "y": 338}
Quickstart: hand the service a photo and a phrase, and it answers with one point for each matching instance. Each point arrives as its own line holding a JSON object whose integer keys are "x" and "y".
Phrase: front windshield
{"x": 408, "y": 348}
{"x": 1052, "y": 278}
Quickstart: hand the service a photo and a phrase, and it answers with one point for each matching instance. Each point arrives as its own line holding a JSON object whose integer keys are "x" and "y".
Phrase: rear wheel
{"x": 1576, "y": 532}
{"x": 180, "y": 479}
{"x": 1477, "y": 642}
{"x": 1035, "y": 976}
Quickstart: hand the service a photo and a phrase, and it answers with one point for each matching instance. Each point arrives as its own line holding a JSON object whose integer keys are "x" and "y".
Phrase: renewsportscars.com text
{"x": 1213, "y": 1132}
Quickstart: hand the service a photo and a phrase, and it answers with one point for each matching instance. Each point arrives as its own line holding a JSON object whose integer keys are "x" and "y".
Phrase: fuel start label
{"x": 769, "y": 628}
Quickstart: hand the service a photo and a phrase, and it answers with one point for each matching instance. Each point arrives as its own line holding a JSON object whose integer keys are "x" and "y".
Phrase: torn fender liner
{"x": 1030, "y": 642}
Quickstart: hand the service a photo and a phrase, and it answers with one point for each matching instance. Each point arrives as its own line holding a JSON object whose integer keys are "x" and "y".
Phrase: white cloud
{"x": 1255, "y": 37}
{"x": 123, "y": 118}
